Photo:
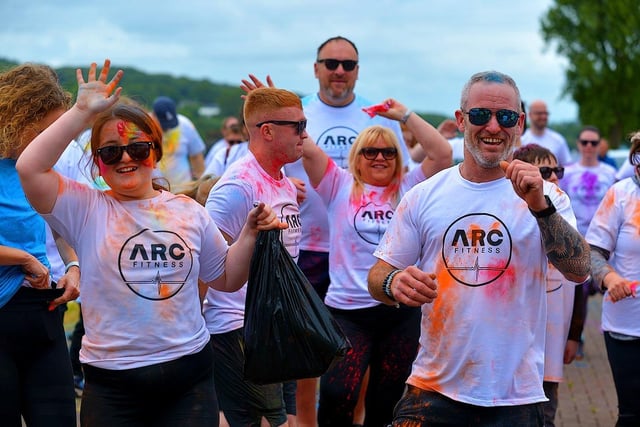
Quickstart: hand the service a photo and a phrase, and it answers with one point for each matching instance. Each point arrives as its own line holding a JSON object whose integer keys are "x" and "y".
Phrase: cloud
{"x": 420, "y": 52}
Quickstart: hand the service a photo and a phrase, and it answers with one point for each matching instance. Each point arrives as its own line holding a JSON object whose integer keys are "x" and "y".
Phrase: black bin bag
{"x": 289, "y": 333}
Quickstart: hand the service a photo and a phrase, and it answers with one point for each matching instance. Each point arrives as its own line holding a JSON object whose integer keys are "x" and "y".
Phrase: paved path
{"x": 587, "y": 398}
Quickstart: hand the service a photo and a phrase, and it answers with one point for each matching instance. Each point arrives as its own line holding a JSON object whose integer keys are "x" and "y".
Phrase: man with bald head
{"x": 539, "y": 133}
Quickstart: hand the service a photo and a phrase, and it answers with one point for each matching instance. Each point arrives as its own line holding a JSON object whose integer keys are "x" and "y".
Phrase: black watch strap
{"x": 548, "y": 211}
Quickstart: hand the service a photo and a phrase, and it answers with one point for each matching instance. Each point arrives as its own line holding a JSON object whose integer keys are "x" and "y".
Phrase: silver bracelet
{"x": 71, "y": 264}
{"x": 406, "y": 117}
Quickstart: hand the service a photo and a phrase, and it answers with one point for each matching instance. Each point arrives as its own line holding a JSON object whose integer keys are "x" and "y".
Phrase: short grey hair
{"x": 488, "y": 77}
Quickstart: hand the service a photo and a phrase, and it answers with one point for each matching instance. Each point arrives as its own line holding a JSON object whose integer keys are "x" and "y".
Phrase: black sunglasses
{"x": 585, "y": 142}
{"x": 546, "y": 171}
{"x": 332, "y": 64}
{"x": 112, "y": 154}
{"x": 300, "y": 126}
{"x": 481, "y": 116}
{"x": 371, "y": 153}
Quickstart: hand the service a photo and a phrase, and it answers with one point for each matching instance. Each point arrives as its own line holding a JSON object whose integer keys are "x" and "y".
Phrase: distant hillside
{"x": 190, "y": 94}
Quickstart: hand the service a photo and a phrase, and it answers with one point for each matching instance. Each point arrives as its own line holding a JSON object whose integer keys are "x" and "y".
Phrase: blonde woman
{"x": 360, "y": 202}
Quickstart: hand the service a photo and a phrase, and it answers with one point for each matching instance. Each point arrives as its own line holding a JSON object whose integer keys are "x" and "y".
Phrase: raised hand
{"x": 96, "y": 95}
{"x": 255, "y": 83}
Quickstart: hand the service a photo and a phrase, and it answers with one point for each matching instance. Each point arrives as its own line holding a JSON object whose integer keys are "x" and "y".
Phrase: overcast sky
{"x": 418, "y": 51}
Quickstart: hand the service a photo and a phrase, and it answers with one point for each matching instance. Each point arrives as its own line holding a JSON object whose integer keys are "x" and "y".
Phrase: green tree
{"x": 601, "y": 41}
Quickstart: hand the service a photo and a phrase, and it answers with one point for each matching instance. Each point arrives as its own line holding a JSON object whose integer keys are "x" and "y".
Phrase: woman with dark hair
{"x": 146, "y": 353}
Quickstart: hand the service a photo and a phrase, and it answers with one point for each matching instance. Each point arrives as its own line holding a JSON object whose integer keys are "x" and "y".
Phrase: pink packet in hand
{"x": 372, "y": 110}
{"x": 634, "y": 288}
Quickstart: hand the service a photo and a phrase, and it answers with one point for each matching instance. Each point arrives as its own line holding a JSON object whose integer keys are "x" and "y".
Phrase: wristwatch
{"x": 548, "y": 211}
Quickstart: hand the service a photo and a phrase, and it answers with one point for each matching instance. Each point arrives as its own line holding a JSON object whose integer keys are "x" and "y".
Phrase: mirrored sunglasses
{"x": 332, "y": 64}
{"x": 546, "y": 172}
{"x": 112, "y": 154}
{"x": 371, "y": 153}
{"x": 481, "y": 116}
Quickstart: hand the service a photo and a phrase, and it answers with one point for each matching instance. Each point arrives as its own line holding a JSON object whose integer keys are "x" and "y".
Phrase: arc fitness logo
{"x": 155, "y": 264}
{"x": 336, "y": 142}
{"x": 477, "y": 249}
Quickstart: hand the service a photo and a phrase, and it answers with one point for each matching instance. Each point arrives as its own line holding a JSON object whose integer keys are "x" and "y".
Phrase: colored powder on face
{"x": 128, "y": 131}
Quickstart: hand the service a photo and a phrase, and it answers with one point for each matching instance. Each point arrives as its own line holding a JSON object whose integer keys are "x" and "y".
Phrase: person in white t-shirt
{"x": 615, "y": 250}
{"x": 335, "y": 114}
{"x": 146, "y": 352}
{"x": 360, "y": 202}
{"x": 539, "y": 133}
{"x": 230, "y": 128}
{"x": 586, "y": 182}
{"x": 276, "y": 126}
{"x": 470, "y": 248}
{"x": 182, "y": 145}
{"x": 565, "y": 300}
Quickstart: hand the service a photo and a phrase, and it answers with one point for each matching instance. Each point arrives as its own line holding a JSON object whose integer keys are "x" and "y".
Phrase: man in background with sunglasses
{"x": 539, "y": 133}
{"x": 335, "y": 119}
{"x": 586, "y": 182}
{"x": 470, "y": 246}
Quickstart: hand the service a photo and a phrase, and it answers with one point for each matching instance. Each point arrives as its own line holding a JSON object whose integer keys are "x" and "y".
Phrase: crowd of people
{"x": 456, "y": 259}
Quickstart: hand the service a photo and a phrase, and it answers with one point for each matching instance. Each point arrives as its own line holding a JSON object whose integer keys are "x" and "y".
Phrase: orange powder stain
{"x": 164, "y": 290}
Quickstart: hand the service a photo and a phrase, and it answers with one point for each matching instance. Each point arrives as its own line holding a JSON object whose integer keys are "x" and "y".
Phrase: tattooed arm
{"x": 565, "y": 247}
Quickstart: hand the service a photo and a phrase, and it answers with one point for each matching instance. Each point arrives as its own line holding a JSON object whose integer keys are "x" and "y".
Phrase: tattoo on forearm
{"x": 566, "y": 248}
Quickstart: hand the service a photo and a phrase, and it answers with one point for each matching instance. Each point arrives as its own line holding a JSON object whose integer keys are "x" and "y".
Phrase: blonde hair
{"x": 28, "y": 93}
{"x": 367, "y": 138}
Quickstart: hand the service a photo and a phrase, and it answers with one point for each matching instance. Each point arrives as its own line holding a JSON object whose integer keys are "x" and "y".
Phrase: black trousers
{"x": 35, "y": 370}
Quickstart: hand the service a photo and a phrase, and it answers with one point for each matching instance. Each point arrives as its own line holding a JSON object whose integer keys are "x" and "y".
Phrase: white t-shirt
{"x": 141, "y": 261}
{"x": 586, "y": 186}
{"x": 482, "y": 339}
{"x": 224, "y": 157}
{"x": 229, "y": 203}
{"x": 627, "y": 170}
{"x": 615, "y": 228}
{"x": 552, "y": 141}
{"x": 334, "y": 129}
{"x": 178, "y": 145}
{"x": 356, "y": 229}
{"x": 560, "y": 296}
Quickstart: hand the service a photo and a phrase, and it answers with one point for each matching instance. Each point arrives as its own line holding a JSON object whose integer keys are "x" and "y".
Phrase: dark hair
{"x": 336, "y": 38}
{"x": 533, "y": 153}
{"x": 590, "y": 128}
{"x": 130, "y": 111}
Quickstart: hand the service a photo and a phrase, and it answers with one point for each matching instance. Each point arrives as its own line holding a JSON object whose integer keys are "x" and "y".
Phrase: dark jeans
{"x": 175, "y": 393}
{"x": 383, "y": 338}
{"x": 426, "y": 408}
{"x": 243, "y": 402}
{"x": 550, "y": 407}
{"x": 623, "y": 359}
{"x": 315, "y": 266}
{"x": 75, "y": 344}
{"x": 35, "y": 370}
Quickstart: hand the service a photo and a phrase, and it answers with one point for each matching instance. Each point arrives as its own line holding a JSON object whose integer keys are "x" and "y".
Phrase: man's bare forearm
{"x": 565, "y": 247}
